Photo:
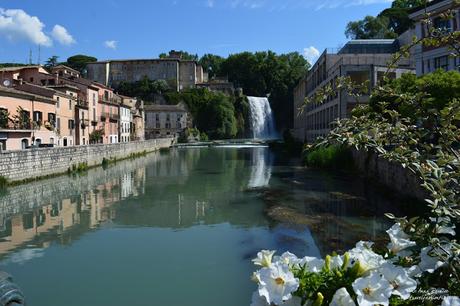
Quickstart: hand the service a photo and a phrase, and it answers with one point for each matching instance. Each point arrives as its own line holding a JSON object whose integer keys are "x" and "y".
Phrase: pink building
{"x": 26, "y": 119}
{"x": 109, "y": 110}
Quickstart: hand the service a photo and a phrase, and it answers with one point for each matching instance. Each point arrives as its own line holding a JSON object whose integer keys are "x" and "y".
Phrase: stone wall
{"x": 390, "y": 174}
{"x": 35, "y": 163}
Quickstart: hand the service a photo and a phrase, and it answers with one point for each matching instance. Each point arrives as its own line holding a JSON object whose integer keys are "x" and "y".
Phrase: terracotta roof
{"x": 23, "y": 94}
{"x": 19, "y": 68}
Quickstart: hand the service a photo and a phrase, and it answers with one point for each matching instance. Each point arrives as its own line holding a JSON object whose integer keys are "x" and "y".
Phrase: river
{"x": 178, "y": 228}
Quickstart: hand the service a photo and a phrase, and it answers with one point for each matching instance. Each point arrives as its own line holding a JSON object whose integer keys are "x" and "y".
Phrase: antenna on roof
{"x": 39, "y": 54}
{"x": 30, "y": 56}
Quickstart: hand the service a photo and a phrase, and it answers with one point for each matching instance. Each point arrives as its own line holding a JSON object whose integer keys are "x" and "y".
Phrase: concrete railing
{"x": 35, "y": 163}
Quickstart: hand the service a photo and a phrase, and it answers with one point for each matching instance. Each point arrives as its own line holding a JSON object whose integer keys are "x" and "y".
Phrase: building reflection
{"x": 64, "y": 219}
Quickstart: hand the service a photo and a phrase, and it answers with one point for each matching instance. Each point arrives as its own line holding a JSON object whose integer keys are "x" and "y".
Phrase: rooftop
{"x": 165, "y": 108}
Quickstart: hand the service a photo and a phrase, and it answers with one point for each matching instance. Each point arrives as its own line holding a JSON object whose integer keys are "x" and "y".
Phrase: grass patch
{"x": 78, "y": 168}
{"x": 3, "y": 183}
{"x": 331, "y": 157}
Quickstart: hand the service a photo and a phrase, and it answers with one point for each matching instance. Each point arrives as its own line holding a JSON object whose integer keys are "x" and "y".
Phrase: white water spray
{"x": 262, "y": 120}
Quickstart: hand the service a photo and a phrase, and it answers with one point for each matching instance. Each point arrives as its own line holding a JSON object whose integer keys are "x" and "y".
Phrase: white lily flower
{"x": 287, "y": 258}
{"x": 429, "y": 263}
{"x": 337, "y": 262}
{"x": 264, "y": 258}
{"x": 342, "y": 298}
{"x": 451, "y": 301}
{"x": 277, "y": 283}
{"x": 368, "y": 260}
{"x": 373, "y": 289}
{"x": 313, "y": 264}
{"x": 398, "y": 278}
{"x": 294, "y": 301}
{"x": 258, "y": 300}
{"x": 442, "y": 229}
{"x": 399, "y": 239}
{"x": 414, "y": 271}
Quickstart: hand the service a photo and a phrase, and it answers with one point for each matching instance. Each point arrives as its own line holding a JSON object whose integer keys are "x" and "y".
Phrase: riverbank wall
{"x": 24, "y": 165}
{"x": 390, "y": 174}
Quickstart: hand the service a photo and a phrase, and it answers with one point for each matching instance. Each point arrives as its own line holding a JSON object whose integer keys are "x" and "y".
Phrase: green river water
{"x": 178, "y": 228}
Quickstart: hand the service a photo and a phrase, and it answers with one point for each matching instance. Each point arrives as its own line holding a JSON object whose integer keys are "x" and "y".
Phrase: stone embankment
{"x": 31, "y": 164}
{"x": 391, "y": 174}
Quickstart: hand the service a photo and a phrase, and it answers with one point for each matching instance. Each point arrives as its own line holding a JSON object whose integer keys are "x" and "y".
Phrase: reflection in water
{"x": 185, "y": 213}
{"x": 261, "y": 169}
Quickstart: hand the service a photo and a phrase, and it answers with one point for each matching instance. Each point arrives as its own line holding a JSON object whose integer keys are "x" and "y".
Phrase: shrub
{"x": 330, "y": 157}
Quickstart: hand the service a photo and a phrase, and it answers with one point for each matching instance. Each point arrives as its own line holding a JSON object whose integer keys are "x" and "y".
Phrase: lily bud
{"x": 319, "y": 300}
{"x": 327, "y": 264}
{"x": 346, "y": 260}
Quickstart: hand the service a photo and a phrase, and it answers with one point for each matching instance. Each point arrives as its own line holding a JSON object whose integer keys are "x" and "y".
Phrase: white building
{"x": 126, "y": 121}
{"x": 428, "y": 58}
{"x": 166, "y": 120}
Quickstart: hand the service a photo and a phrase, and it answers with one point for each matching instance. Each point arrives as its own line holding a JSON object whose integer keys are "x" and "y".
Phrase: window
{"x": 70, "y": 104}
{"x": 38, "y": 117}
{"x": 442, "y": 24}
{"x": 71, "y": 124}
{"x": 31, "y": 80}
{"x": 52, "y": 119}
{"x": 441, "y": 62}
{"x": 58, "y": 123}
{"x": 57, "y": 102}
{"x": 24, "y": 143}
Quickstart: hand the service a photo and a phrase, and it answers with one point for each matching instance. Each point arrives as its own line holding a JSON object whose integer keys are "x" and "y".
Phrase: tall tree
{"x": 79, "y": 61}
{"x": 369, "y": 28}
{"x": 51, "y": 62}
{"x": 211, "y": 64}
{"x": 389, "y": 23}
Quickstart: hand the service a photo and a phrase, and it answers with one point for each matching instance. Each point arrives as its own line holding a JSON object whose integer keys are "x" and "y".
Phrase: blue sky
{"x": 111, "y": 29}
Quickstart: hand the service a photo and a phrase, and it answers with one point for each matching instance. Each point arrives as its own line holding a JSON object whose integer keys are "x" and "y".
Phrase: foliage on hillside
{"x": 218, "y": 115}
{"x": 390, "y": 23}
{"x": 263, "y": 73}
{"x": 144, "y": 89}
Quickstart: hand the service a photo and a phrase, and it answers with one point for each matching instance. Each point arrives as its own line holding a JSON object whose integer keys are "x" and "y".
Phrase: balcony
{"x": 114, "y": 117}
{"x": 82, "y": 103}
{"x": 84, "y": 123}
{"x": 104, "y": 115}
{"x": 109, "y": 100}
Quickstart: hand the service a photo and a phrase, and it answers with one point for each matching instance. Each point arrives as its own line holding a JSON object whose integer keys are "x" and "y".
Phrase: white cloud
{"x": 210, "y": 3}
{"x": 17, "y": 25}
{"x": 111, "y": 44}
{"x": 60, "y": 34}
{"x": 311, "y": 54}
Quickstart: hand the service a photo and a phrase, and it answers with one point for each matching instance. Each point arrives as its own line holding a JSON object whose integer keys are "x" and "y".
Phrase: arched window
{"x": 24, "y": 143}
{"x": 65, "y": 142}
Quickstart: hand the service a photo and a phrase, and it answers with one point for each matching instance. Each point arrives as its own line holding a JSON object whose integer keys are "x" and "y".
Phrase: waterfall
{"x": 262, "y": 121}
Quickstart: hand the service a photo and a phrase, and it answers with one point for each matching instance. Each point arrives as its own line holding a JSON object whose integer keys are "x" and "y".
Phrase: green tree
{"x": 51, "y": 62}
{"x": 389, "y": 23}
{"x": 79, "y": 61}
{"x": 212, "y": 64}
{"x": 144, "y": 89}
{"x": 369, "y": 28}
{"x": 185, "y": 56}
{"x": 267, "y": 73}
